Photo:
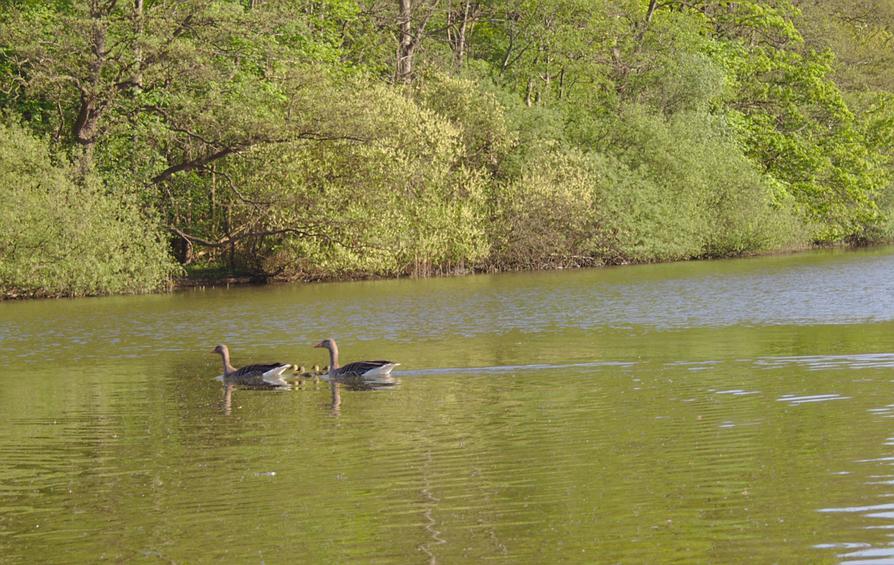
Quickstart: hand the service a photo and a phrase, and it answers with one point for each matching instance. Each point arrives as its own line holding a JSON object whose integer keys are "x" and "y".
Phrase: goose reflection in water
{"x": 335, "y": 404}
{"x": 228, "y": 399}
{"x": 336, "y": 386}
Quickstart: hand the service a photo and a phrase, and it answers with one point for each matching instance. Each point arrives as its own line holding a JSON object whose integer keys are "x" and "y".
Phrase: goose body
{"x": 366, "y": 370}
{"x": 260, "y": 375}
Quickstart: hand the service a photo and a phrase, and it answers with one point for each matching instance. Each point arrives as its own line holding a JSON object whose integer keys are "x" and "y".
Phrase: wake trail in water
{"x": 810, "y": 362}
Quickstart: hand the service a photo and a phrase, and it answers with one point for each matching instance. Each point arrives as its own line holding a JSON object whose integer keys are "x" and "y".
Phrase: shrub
{"x": 478, "y": 116}
{"x": 392, "y": 198}
{"x": 693, "y": 191}
{"x": 59, "y": 237}
{"x": 549, "y": 216}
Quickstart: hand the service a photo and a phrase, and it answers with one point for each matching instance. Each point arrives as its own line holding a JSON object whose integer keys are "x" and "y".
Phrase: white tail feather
{"x": 273, "y": 377}
{"x": 382, "y": 371}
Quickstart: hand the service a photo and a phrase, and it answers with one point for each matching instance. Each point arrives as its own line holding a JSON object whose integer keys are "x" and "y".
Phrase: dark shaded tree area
{"x": 320, "y": 139}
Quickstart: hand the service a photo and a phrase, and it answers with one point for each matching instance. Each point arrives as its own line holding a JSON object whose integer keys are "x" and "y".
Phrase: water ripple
{"x": 826, "y": 362}
{"x": 798, "y": 400}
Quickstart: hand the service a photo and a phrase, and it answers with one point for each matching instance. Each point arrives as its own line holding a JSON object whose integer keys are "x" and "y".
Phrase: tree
{"x": 412, "y": 29}
{"x": 61, "y": 237}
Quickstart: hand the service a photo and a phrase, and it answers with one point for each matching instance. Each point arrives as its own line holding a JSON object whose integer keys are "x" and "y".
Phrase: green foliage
{"x": 392, "y": 198}
{"x": 667, "y": 188}
{"x": 58, "y": 237}
{"x": 486, "y": 134}
{"x": 793, "y": 119}
{"x": 550, "y": 215}
{"x": 269, "y": 137}
{"x": 696, "y": 193}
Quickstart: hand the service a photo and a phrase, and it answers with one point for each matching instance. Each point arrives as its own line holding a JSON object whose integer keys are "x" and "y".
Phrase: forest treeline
{"x": 316, "y": 139}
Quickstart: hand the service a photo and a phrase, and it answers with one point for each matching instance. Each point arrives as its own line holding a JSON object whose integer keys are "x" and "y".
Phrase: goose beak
{"x": 319, "y": 344}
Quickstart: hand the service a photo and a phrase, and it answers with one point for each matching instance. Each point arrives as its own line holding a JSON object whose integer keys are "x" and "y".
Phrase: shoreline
{"x": 227, "y": 280}
{"x": 187, "y": 282}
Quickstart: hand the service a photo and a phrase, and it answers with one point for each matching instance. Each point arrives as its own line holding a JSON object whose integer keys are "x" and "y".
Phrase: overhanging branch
{"x": 234, "y": 148}
{"x": 195, "y": 163}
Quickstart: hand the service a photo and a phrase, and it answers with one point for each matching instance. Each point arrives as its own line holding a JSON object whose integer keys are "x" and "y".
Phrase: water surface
{"x": 698, "y": 412}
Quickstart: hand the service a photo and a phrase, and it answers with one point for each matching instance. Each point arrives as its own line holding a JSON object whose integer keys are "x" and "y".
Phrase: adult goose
{"x": 264, "y": 376}
{"x": 365, "y": 370}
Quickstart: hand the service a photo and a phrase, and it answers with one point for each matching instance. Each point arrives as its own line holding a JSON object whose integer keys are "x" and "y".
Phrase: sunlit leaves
{"x": 62, "y": 238}
{"x": 271, "y": 138}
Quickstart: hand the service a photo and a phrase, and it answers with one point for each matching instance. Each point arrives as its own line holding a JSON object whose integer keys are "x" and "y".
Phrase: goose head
{"x": 328, "y": 343}
{"x": 220, "y": 349}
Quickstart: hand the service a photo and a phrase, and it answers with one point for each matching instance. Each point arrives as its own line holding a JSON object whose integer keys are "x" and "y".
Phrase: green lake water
{"x": 704, "y": 412}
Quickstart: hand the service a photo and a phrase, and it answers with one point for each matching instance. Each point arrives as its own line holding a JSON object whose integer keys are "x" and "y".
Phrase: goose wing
{"x": 366, "y": 369}
{"x": 262, "y": 374}
{"x": 261, "y": 369}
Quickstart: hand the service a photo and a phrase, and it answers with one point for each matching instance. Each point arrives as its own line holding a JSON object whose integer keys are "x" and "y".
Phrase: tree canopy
{"x": 347, "y": 138}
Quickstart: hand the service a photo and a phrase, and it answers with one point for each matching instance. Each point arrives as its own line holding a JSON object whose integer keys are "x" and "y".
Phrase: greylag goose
{"x": 366, "y": 370}
{"x": 266, "y": 375}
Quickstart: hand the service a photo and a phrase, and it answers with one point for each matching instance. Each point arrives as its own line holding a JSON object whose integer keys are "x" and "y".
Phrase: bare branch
{"x": 236, "y": 237}
{"x": 235, "y": 148}
{"x": 196, "y": 163}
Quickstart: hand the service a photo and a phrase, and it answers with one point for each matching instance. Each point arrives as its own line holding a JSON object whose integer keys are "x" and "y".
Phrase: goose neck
{"x": 333, "y": 356}
{"x": 227, "y": 367}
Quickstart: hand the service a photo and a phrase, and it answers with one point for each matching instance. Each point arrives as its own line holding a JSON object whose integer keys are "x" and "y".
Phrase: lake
{"x": 723, "y": 411}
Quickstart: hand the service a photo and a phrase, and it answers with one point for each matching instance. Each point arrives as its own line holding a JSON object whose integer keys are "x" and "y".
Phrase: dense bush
{"x": 319, "y": 139}
{"x": 485, "y": 132}
{"x": 392, "y": 197}
{"x": 655, "y": 189}
{"x": 550, "y": 216}
{"x": 60, "y": 237}
{"x": 691, "y": 191}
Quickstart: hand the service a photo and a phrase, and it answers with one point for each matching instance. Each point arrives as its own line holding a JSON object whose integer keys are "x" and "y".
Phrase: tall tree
{"x": 412, "y": 19}
{"x": 462, "y": 15}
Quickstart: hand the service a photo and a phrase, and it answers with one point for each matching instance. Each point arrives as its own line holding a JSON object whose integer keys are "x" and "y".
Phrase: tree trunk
{"x": 460, "y": 23}
{"x": 406, "y": 44}
{"x": 410, "y": 37}
{"x": 653, "y": 5}
{"x": 562, "y": 83}
{"x": 138, "y": 48}
{"x": 84, "y": 128}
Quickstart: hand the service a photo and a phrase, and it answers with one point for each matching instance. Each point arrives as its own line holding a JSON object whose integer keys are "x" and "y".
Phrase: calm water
{"x": 702, "y": 412}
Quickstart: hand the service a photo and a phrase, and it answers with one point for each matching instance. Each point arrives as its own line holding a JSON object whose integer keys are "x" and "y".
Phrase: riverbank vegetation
{"x": 318, "y": 139}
